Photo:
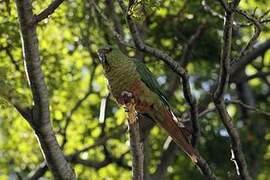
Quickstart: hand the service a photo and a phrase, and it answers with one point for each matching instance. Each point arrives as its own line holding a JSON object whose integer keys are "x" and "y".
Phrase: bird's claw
{"x": 127, "y": 99}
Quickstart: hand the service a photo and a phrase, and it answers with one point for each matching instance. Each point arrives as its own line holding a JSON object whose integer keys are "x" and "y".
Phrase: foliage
{"x": 68, "y": 41}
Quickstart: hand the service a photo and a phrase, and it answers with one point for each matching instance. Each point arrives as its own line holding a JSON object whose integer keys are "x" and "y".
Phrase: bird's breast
{"x": 121, "y": 78}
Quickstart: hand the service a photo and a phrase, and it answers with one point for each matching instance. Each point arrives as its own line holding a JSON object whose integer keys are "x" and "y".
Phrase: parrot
{"x": 129, "y": 77}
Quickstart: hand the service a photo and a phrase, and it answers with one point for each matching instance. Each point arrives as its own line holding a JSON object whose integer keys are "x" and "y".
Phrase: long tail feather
{"x": 172, "y": 128}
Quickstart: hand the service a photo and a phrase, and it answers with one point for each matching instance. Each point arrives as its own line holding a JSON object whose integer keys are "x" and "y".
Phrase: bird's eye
{"x": 102, "y": 52}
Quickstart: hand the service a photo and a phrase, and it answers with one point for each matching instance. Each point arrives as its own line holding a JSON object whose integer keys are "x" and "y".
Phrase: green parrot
{"x": 129, "y": 77}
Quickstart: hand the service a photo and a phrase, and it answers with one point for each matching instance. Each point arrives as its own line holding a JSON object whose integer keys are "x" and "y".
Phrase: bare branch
{"x": 39, "y": 172}
{"x": 256, "y": 32}
{"x": 98, "y": 165}
{"x": 40, "y": 120}
{"x": 218, "y": 98}
{"x": 225, "y": 58}
{"x": 258, "y": 75}
{"x": 48, "y": 11}
{"x": 183, "y": 61}
{"x": 224, "y": 5}
{"x": 136, "y": 147}
{"x": 249, "y": 57}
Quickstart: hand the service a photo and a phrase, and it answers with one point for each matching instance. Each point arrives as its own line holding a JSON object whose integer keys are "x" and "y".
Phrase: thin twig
{"x": 103, "y": 140}
{"x": 39, "y": 172}
{"x": 256, "y": 34}
{"x": 249, "y": 107}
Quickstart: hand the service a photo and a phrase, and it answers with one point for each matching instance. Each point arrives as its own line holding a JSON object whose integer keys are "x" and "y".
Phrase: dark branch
{"x": 256, "y": 34}
{"x": 224, "y": 5}
{"x": 258, "y": 75}
{"x": 225, "y": 58}
{"x": 136, "y": 148}
{"x": 249, "y": 57}
{"x": 39, "y": 172}
{"x": 48, "y": 11}
{"x": 218, "y": 96}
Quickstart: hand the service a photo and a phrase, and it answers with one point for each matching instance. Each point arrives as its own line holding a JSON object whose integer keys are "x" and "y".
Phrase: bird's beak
{"x": 102, "y": 52}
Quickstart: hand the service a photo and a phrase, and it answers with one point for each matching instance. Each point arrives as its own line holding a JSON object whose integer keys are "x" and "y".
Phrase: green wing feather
{"x": 148, "y": 78}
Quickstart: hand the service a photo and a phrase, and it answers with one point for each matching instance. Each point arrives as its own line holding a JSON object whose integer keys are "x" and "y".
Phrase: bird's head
{"x": 110, "y": 56}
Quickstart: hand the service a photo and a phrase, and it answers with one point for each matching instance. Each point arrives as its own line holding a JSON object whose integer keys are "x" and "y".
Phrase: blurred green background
{"x": 68, "y": 41}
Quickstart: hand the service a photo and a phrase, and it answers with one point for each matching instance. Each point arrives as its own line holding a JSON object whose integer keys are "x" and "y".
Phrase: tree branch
{"x": 136, "y": 147}
{"x": 224, "y": 5}
{"x": 256, "y": 34}
{"x": 40, "y": 120}
{"x": 39, "y": 172}
{"x": 249, "y": 57}
{"x": 48, "y": 11}
{"x": 218, "y": 96}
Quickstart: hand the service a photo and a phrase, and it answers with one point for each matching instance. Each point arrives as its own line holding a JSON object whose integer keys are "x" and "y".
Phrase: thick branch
{"x": 40, "y": 121}
{"x": 249, "y": 57}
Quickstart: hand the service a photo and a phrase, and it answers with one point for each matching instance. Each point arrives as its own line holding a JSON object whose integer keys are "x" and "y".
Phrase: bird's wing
{"x": 148, "y": 78}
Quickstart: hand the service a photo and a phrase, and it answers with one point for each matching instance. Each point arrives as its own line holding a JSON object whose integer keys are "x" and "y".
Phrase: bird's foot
{"x": 127, "y": 99}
